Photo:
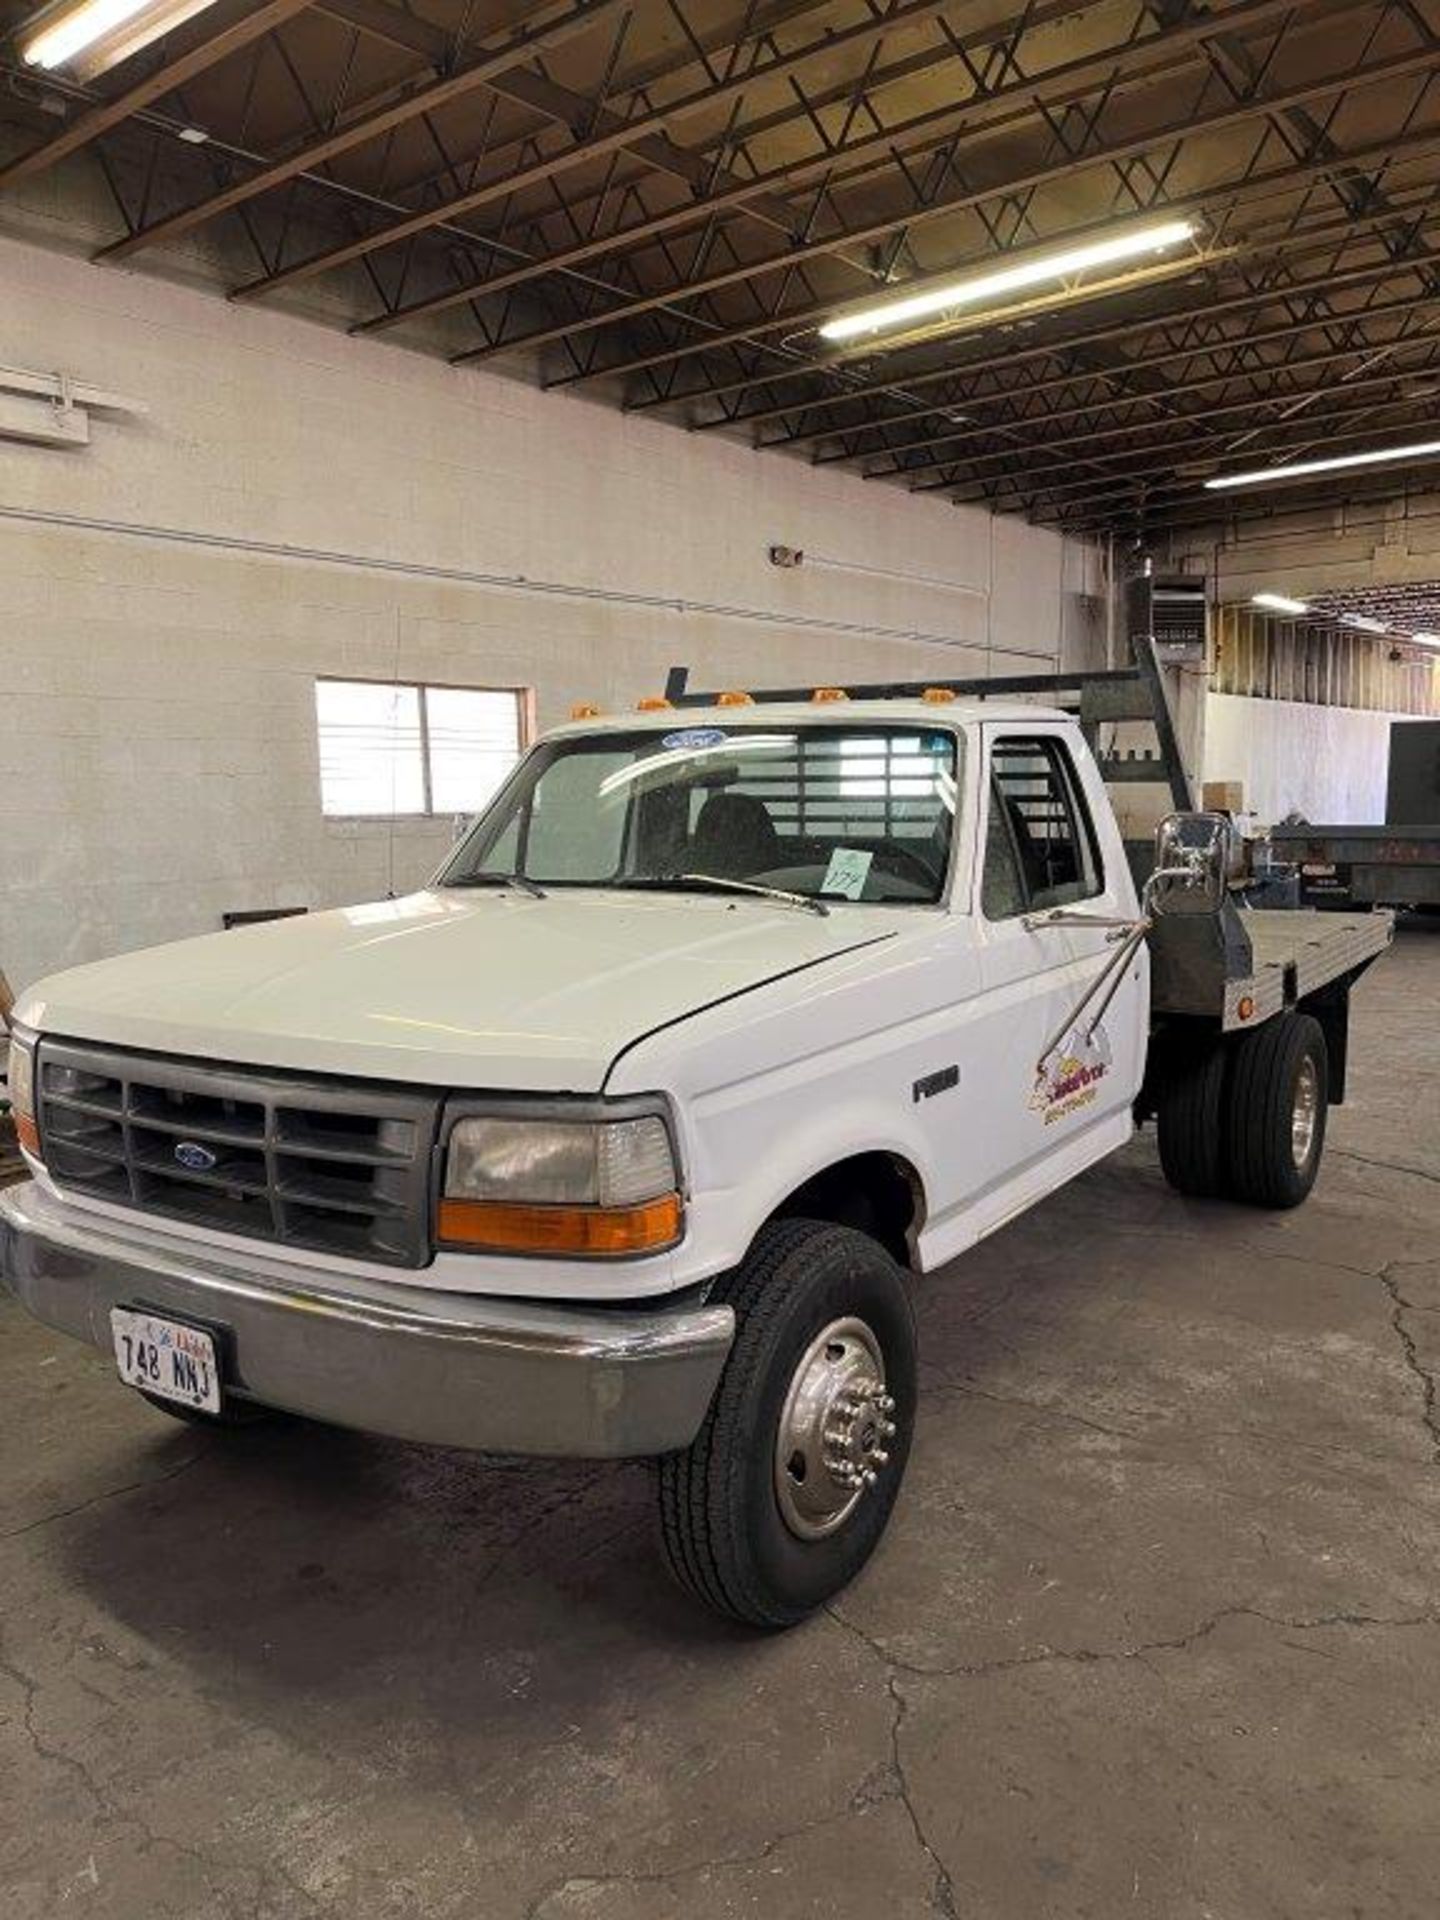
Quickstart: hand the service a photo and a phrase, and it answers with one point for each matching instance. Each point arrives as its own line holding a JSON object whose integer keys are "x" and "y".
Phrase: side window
{"x": 1040, "y": 841}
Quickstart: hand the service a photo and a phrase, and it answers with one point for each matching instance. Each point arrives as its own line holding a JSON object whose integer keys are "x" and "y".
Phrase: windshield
{"x": 826, "y": 812}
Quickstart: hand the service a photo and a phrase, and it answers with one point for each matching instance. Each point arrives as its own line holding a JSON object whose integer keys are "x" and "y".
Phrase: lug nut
{"x": 885, "y": 1403}
{"x": 869, "y": 1476}
{"x": 879, "y": 1457}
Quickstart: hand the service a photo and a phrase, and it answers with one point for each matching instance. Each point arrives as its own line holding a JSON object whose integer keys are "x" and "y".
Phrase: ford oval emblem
{"x": 198, "y": 1159}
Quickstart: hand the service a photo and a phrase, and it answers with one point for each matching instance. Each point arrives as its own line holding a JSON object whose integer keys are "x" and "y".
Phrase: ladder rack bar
{"x": 679, "y": 693}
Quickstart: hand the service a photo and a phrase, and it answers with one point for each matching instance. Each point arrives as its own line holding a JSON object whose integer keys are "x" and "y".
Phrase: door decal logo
{"x": 1069, "y": 1076}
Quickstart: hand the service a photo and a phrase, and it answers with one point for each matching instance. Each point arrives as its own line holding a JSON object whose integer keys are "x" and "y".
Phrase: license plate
{"x": 1317, "y": 870}
{"x": 166, "y": 1358}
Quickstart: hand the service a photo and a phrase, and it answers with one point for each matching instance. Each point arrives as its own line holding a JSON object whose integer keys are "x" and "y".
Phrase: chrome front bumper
{"x": 503, "y": 1376}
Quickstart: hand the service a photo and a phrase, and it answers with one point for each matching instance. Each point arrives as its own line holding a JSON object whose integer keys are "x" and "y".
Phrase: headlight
{"x": 561, "y": 1186}
{"x": 20, "y": 1073}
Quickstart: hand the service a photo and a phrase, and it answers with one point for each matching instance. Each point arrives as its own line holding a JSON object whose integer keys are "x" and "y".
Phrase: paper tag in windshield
{"x": 847, "y": 872}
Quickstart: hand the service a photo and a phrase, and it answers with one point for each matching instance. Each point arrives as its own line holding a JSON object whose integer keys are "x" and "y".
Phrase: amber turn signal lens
{"x": 823, "y": 694}
{"x": 652, "y": 703}
{"x": 498, "y": 1227}
{"x": 28, "y": 1134}
{"x": 735, "y": 698}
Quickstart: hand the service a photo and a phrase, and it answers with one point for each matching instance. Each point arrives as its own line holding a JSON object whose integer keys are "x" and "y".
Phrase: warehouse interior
{"x": 385, "y": 382}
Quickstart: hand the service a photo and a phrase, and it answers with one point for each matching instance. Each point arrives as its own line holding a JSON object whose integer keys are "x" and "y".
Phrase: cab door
{"x": 1053, "y": 1095}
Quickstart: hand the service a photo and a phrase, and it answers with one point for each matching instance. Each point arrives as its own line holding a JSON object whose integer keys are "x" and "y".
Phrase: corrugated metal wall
{"x": 1271, "y": 658}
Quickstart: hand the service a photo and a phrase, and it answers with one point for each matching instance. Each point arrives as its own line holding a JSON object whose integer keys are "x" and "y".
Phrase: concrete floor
{"x": 1156, "y": 1631}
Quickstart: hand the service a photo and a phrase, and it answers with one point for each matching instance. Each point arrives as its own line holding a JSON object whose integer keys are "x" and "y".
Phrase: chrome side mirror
{"x": 1194, "y": 855}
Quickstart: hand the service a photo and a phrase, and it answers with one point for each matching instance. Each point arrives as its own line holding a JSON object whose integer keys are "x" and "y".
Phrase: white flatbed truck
{"x": 630, "y": 1133}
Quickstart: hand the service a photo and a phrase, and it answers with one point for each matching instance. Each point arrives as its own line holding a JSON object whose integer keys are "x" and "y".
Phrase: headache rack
{"x": 1098, "y": 697}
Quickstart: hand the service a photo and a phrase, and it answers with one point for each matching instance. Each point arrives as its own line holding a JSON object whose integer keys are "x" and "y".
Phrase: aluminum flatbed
{"x": 1245, "y": 965}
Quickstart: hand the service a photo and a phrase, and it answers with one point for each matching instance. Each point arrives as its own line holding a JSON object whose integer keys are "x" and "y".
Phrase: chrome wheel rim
{"x": 1304, "y": 1114}
{"x": 830, "y": 1445}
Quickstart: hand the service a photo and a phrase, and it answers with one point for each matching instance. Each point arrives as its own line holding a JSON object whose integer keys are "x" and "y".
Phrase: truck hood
{"x": 477, "y": 989}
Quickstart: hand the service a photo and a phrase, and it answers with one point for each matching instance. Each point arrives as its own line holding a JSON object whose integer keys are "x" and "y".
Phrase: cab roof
{"x": 828, "y": 713}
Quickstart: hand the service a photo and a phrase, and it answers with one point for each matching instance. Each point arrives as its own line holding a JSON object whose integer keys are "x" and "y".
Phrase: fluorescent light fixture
{"x": 1338, "y": 463}
{"x": 1363, "y": 623}
{"x": 1426, "y": 639}
{"x": 91, "y": 36}
{"x": 1279, "y": 603}
{"x": 1034, "y": 271}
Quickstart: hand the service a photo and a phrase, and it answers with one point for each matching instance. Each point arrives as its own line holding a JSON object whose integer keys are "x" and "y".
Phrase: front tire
{"x": 786, "y": 1490}
{"x": 1277, "y": 1101}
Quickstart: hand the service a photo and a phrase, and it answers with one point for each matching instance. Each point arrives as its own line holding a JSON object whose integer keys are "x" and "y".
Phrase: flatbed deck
{"x": 1298, "y": 951}
{"x": 1258, "y": 959}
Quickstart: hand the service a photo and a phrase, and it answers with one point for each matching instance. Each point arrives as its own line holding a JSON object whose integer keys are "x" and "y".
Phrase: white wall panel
{"x": 157, "y": 750}
{"x": 1327, "y": 763}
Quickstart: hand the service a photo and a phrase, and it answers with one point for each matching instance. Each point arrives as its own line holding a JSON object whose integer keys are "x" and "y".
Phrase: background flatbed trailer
{"x": 1393, "y": 866}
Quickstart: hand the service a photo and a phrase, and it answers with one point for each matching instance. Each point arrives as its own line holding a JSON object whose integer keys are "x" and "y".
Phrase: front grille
{"x": 341, "y": 1166}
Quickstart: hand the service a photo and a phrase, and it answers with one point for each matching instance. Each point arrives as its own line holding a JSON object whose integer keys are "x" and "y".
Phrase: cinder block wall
{"x": 158, "y": 759}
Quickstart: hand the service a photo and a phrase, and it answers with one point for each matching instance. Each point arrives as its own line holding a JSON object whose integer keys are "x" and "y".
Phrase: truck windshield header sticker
{"x": 689, "y": 738}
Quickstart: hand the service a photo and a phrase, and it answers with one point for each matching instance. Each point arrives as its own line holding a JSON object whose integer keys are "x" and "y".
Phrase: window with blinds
{"x": 389, "y": 749}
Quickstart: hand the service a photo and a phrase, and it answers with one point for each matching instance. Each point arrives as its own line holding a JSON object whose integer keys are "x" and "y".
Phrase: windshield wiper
{"x": 520, "y": 882}
{"x": 723, "y": 885}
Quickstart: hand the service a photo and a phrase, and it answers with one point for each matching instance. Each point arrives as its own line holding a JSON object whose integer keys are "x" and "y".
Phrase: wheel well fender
{"x": 879, "y": 1193}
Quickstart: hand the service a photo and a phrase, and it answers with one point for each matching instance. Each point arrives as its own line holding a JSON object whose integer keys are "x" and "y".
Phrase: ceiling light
{"x": 1279, "y": 603}
{"x": 91, "y": 36}
{"x": 1363, "y": 623}
{"x": 1425, "y": 639}
{"x": 1302, "y": 469}
{"x": 984, "y": 288}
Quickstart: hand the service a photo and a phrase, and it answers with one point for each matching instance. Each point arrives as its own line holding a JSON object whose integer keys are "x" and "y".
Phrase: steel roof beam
{"x": 696, "y": 163}
{"x": 1202, "y": 451}
{"x": 618, "y": 133}
{"x": 169, "y": 75}
{"x": 1050, "y": 417}
{"x": 1389, "y": 69}
{"x": 871, "y": 151}
{"x": 541, "y": 94}
{"x": 1261, "y": 186}
{"x": 1325, "y": 282}
{"x": 1254, "y": 406}
{"x": 895, "y": 384}
{"x": 556, "y": 22}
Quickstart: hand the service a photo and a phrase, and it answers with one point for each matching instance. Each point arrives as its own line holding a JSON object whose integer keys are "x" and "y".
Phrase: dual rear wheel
{"x": 1244, "y": 1117}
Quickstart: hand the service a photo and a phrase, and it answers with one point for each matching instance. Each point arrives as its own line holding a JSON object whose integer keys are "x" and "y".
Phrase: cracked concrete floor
{"x": 1154, "y": 1633}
